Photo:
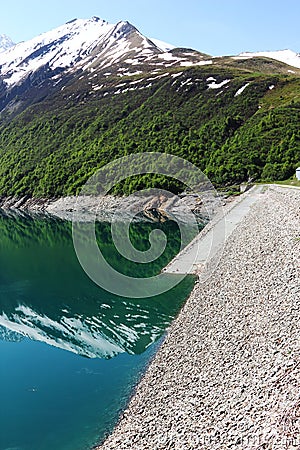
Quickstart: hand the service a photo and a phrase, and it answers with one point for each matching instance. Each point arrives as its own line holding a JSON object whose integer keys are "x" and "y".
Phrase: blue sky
{"x": 217, "y": 27}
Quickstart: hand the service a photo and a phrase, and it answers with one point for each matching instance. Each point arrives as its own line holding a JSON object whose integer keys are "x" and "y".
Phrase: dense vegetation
{"x": 52, "y": 147}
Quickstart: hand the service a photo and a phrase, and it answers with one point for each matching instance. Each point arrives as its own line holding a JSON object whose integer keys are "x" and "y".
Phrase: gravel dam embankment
{"x": 228, "y": 373}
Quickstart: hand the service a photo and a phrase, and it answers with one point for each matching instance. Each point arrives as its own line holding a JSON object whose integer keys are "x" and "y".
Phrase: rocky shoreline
{"x": 25, "y": 203}
{"x": 228, "y": 372}
{"x": 205, "y": 204}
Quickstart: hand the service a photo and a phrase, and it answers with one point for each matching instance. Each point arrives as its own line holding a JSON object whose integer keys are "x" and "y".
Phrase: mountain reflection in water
{"x": 46, "y": 296}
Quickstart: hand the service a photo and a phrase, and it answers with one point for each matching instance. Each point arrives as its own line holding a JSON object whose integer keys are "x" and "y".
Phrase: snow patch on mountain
{"x": 286, "y": 56}
{"x": 241, "y": 90}
{"x": 214, "y": 85}
{"x": 196, "y": 63}
{"x": 163, "y": 46}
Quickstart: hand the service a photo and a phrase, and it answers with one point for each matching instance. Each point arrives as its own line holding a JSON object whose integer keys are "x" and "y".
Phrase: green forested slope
{"x": 55, "y": 145}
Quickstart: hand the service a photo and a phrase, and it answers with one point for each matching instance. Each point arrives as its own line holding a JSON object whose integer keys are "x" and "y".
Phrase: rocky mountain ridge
{"x": 94, "y": 48}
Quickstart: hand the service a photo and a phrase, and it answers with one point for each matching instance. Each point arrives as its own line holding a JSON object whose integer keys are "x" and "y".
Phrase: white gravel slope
{"x": 228, "y": 373}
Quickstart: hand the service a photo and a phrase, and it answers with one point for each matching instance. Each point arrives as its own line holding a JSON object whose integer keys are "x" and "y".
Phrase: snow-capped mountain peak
{"x": 87, "y": 44}
{"x": 5, "y": 42}
{"x": 58, "y": 48}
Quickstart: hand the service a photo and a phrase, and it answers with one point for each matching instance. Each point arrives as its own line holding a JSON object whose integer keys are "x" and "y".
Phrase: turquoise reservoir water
{"x": 71, "y": 352}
